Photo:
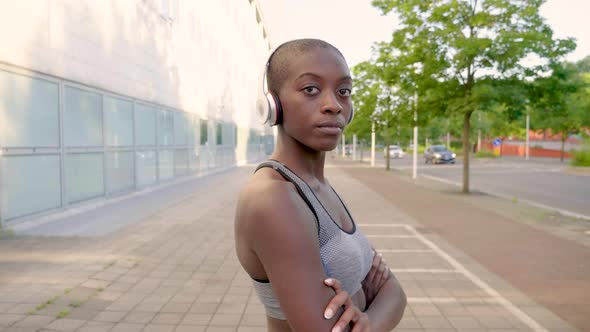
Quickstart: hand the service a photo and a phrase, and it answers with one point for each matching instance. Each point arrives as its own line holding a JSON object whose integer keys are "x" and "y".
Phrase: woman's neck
{"x": 306, "y": 163}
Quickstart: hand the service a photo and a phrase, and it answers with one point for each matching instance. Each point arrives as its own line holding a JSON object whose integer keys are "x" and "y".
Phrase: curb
{"x": 529, "y": 202}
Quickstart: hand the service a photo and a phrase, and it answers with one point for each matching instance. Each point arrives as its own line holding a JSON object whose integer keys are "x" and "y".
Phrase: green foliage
{"x": 62, "y": 314}
{"x": 455, "y": 57}
{"x": 456, "y": 145}
{"x": 581, "y": 157}
{"x": 485, "y": 154}
{"x": 562, "y": 99}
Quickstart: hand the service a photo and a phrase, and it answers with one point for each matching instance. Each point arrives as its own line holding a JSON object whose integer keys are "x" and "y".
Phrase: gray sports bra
{"x": 345, "y": 256}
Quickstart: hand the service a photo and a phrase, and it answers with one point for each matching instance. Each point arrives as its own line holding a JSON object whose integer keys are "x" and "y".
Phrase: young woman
{"x": 311, "y": 266}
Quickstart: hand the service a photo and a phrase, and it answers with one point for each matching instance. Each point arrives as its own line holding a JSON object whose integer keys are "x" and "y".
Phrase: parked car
{"x": 439, "y": 154}
{"x": 394, "y": 152}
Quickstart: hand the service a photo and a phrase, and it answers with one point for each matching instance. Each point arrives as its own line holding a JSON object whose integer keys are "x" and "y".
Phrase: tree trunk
{"x": 387, "y": 157}
{"x": 562, "y": 147}
{"x": 466, "y": 125}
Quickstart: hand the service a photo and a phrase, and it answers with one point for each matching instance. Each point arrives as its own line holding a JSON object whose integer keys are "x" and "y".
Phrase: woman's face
{"x": 316, "y": 99}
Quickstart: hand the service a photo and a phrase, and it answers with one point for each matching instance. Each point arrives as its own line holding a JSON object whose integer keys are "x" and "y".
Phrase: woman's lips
{"x": 330, "y": 128}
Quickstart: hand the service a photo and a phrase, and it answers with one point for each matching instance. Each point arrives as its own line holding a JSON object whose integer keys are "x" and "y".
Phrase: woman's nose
{"x": 331, "y": 104}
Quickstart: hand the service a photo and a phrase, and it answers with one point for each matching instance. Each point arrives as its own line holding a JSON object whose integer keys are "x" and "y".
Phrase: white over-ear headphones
{"x": 268, "y": 105}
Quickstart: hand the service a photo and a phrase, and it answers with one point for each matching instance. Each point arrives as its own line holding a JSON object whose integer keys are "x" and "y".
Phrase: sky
{"x": 354, "y": 25}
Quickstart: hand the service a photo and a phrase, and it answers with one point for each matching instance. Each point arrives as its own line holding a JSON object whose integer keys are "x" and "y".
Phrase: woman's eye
{"x": 345, "y": 92}
{"x": 312, "y": 90}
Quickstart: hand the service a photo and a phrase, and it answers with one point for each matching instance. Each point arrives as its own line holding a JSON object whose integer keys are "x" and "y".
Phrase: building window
{"x": 29, "y": 111}
{"x": 219, "y": 134}
{"x": 204, "y": 134}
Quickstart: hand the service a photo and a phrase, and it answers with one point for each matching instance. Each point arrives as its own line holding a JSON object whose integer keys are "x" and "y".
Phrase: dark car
{"x": 439, "y": 154}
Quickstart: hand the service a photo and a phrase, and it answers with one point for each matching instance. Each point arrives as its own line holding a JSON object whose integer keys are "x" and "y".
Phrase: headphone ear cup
{"x": 278, "y": 110}
{"x": 351, "y": 115}
{"x": 262, "y": 109}
{"x": 274, "y": 115}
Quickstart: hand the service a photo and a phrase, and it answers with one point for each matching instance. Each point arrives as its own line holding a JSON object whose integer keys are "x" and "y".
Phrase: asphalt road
{"x": 539, "y": 180}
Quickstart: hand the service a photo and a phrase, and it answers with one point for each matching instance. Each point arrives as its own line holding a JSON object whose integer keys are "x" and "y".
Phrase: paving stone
{"x": 66, "y": 324}
{"x": 196, "y": 319}
{"x": 110, "y": 316}
{"x": 127, "y": 327}
{"x": 167, "y": 318}
{"x": 190, "y": 328}
{"x": 9, "y": 319}
{"x": 35, "y": 321}
{"x": 158, "y": 328}
{"x": 253, "y": 320}
{"x": 139, "y": 317}
{"x": 225, "y": 320}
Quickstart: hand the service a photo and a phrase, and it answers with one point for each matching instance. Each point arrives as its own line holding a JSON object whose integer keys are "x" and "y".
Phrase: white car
{"x": 394, "y": 152}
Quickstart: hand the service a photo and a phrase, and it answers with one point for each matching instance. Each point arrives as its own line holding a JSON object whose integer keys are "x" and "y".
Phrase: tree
{"x": 444, "y": 49}
{"x": 562, "y": 100}
{"x": 366, "y": 91}
{"x": 374, "y": 103}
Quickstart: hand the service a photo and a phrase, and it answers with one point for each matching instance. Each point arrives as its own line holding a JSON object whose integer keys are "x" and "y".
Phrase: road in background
{"x": 540, "y": 180}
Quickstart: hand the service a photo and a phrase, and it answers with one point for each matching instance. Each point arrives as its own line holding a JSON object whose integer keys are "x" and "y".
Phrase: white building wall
{"x": 198, "y": 56}
{"x": 207, "y": 56}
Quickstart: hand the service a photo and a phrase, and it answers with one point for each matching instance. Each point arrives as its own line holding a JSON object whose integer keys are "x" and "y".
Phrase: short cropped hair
{"x": 278, "y": 63}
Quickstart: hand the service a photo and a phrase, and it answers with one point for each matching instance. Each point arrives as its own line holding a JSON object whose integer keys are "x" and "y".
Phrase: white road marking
{"x": 403, "y": 250}
{"x": 424, "y": 270}
{"x": 531, "y": 323}
{"x": 391, "y": 236}
{"x": 382, "y": 225}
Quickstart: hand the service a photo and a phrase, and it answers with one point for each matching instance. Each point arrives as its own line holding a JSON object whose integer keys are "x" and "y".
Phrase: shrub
{"x": 485, "y": 154}
{"x": 581, "y": 157}
{"x": 456, "y": 145}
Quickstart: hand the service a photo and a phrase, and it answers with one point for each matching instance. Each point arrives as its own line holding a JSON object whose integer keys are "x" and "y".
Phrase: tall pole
{"x": 373, "y": 144}
{"x": 343, "y": 146}
{"x": 478, "y": 131}
{"x": 354, "y": 146}
{"x": 526, "y": 149}
{"x": 415, "y": 152}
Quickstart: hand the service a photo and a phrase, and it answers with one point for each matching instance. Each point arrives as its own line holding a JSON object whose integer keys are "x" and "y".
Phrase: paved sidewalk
{"x": 176, "y": 270}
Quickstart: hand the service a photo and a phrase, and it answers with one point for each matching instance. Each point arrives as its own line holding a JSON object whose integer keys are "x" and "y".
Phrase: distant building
{"x": 100, "y": 99}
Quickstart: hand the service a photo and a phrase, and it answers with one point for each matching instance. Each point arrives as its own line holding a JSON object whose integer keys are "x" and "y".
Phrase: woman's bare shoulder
{"x": 268, "y": 198}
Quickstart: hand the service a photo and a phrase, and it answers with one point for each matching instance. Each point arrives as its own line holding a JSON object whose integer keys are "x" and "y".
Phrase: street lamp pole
{"x": 415, "y": 151}
{"x": 526, "y": 150}
{"x": 373, "y": 144}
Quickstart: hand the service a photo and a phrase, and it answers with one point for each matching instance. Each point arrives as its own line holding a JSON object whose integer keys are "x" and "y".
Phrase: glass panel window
{"x": 146, "y": 168}
{"x": 120, "y": 171}
{"x": 218, "y": 134}
{"x": 30, "y": 184}
{"x": 82, "y": 118}
{"x": 165, "y": 127}
{"x": 145, "y": 122}
{"x": 204, "y": 132}
{"x": 29, "y": 115}
{"x": 84, "y": 175}
{"x": 181, "y": 128}
{"x": 166, "y": 163}
{"x": 193, "y": 135}
{"x": 193, "y": 160}
{"x": 180, "y": 162}
{"x": 119, "y": 121}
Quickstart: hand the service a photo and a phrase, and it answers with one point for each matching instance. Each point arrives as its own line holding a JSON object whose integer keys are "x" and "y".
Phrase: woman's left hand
{"x": 352, "y": 314}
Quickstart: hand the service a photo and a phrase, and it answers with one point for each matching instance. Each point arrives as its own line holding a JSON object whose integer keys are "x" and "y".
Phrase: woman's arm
{"x": 377, "y": 278}
{"x": 387, "y": 308}
{"x": 282, "y": 232}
